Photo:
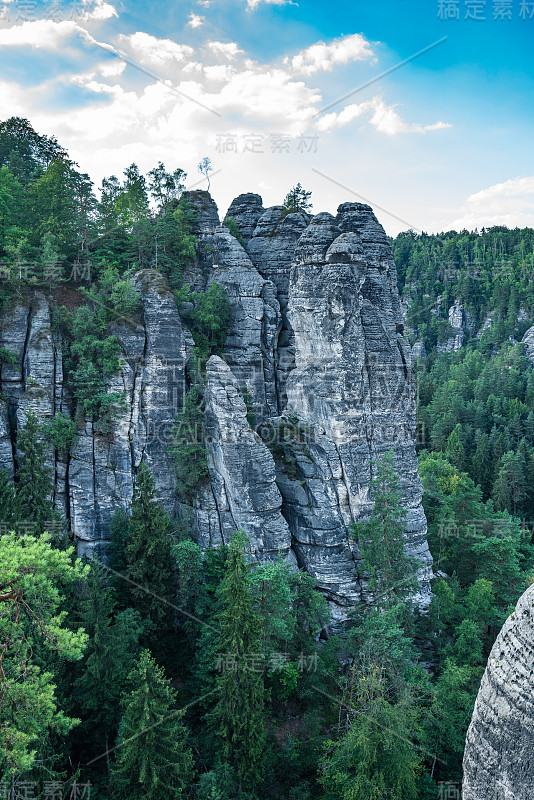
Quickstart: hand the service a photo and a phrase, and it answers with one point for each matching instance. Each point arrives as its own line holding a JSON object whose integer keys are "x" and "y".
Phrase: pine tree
{"x": 154, "y": 761}
{"x": 298, "y": 199}
{"x": 238, "y": 718}
{"x": 148, "y": 554}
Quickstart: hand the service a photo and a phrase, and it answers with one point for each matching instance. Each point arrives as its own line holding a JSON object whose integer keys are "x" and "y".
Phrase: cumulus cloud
{"x": 153, "y": 51}
{"x": 195, "y": 20}
{"x": 322, "y": 56}
{"x": 99, "y": 11}
{"x": 42, "y": 34}
{"x": 383, "y": 117}
{"x": 228, "y": 50}
{"x": 510, "y": 203}
{"x": 160, "y": 112}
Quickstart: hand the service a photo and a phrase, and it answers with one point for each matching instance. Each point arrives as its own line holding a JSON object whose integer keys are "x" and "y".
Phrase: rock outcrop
{"x": 528, "y": 340}
{"x": 461, "y": 324}
{"x": 317, "y": 347}
{"x": 499, "y": 753}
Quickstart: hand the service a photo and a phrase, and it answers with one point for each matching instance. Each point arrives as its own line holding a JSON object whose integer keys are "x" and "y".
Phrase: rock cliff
{"x": 499, "y": 752}
{"x": 317, "y": 344}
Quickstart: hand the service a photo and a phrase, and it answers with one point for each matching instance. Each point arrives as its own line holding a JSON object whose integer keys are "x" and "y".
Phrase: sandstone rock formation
{"x": 528, "y": 340}
{"x": 317, "y": 343}
{"x": 499, "y": 752}
{"x": 460, "y": 323}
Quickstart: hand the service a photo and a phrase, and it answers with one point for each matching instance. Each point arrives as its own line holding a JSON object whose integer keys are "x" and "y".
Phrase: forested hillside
{"x": 170, "y": 670}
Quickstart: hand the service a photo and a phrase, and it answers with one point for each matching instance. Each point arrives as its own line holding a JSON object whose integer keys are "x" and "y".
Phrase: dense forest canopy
{"x": 171, "y": 672}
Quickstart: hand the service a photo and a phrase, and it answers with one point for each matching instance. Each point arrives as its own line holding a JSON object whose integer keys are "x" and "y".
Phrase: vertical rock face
{"x": 271, "y": 250}
{"x": 315, "y": 346}
{"x": 499, "y": 752}
{"x": 461, "y": 324}
{"x": 352, "y": 384}
{"x": 242, "y": 471}
{"x": 246, "y": 211}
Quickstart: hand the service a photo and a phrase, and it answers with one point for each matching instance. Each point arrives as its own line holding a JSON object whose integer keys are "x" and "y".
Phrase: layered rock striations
{"x": 499, "y": 752}
{"x": 316, "y": 346}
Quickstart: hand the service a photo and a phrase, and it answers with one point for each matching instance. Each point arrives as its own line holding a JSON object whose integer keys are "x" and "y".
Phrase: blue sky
{"x": 443, "y": 141}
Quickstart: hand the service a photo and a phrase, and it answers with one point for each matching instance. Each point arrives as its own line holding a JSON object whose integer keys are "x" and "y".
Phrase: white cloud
{"x": 253, "y": 4}
{"x": 383, "y": 117}
{"x": 228, "y": 50}
{"x": 322, "y": 56}
{"x": 195, "y": 20}
{"x": 100, "y": 11}
{"x": 43, "y": 34}
{"x": 145, "y": 120}
{"x": 510, "y": 203}
{"x": 155, "y": 52}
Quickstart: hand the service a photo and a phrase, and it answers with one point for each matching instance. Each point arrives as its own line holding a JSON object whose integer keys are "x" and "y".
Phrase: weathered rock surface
{"x": 246, "y": 211}
{"x": 461, "y": 324}
{"x": 528, "y": 340}
{"x": 317, "y": 343}
{"x": 499, "y": 753}
{"x": 242, "y": 472}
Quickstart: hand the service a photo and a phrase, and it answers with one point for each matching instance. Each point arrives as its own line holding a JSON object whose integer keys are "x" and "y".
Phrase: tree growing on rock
{"x": 297, "y": 199}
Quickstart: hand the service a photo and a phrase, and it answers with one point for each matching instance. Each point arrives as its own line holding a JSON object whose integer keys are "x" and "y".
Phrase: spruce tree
{"x": 238, "y": 717}
{"x": 7, "y": 499}
{"x": 454, "y": 451}
{"x": 482, "y": 465}
{"x": 510, "y": 487}
{"x": 153, "y": 759}
{"x": 381, "y": 540}
{"x": 113, "y": 648}
{"x": 34, "y": 484}
{"x": 148, "y": 555}
{"x": 377, "y": 756}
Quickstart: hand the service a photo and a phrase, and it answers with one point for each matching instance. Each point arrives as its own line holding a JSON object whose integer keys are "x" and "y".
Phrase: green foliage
{"x": 208, "y": 316}
{"x": 111, "y": 654}
{"x": 188, "y": 558}
{"x": 7, "y": 357}
{"x": 91, "y": 359}
{"x": 153, "y": 757}
{"x": 61, "y": 432}
{"x": 148, "y": 556}
{"x": 115, "y": 295}
{"x": 165, "y": 186}
{"x": 34, "y": 485}
{"x": 231, "y": 224}
{"x": 381, "y": 539}
{"x": 297, "y": 199}
{"x": 238, "y": 718}
{"x": 489, "y": 272}
{"x": 188, "y": 448}
{"x": 7, "y": 498}
{"x": 119, "y": 530}
{"x": 24, "y": 151}
{"x": 32, "y": 580}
